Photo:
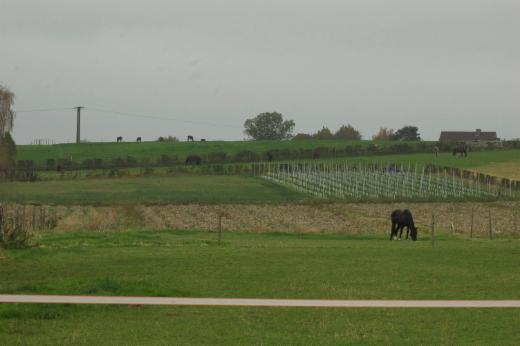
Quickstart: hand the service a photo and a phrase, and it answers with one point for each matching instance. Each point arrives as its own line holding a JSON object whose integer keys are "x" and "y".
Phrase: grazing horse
{"x": 461, "y": 149}
{"x": 401, "y": 219}
{"x": 138, "y": 140}
{"x": 190, "y": 138}
{"x": 193, "y": 160}
{"x": 119, "y": 139}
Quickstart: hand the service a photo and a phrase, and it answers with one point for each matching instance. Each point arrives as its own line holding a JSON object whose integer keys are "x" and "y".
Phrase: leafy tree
{"x": 7, "y": 145}
{"x": 269, "y": 126}
{"x": 6, "y": 111}
{"x": 347, "y": 132}
{"x": 384, "y": 134}
{"x": 407, "y": 133}
{"x": 324, "y": 133}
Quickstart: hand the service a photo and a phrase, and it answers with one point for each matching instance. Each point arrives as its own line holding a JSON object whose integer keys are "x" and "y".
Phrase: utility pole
{"x": 78, "y": 125}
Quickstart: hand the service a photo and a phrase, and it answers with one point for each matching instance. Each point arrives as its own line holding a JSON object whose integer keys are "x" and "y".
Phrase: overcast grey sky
{"x": 443, "y": 64}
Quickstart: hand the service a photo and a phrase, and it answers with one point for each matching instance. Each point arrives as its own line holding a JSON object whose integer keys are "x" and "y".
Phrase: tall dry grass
{"x": 349, "y": 218}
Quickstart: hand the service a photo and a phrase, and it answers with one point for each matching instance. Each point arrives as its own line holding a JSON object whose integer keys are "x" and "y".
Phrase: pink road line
{"x": 300, "y": 303}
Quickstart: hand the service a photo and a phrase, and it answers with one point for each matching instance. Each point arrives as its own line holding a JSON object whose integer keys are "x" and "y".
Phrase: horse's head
{"x": 413, "y": 233}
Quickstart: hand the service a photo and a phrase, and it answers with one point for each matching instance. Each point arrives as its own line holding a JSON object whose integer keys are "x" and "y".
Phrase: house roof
{"x": 468, "y": 136}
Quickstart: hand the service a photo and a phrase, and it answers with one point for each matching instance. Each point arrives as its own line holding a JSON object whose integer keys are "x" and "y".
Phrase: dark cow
{"x": 119, "y": 139}
{"x": 193, "y": 160}
{"x": 138, "y": 140}
{"x": 190, "y": 138}
{"x": 269, "y": 157}
{"x": 461, "y": 149}
{"x": 400, "y": 220}
{"x": 316, "y": 155}
{"x": 203, "y": 139}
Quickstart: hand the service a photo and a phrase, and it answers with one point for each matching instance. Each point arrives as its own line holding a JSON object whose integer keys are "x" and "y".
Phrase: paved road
{"x": 114, "y": 300}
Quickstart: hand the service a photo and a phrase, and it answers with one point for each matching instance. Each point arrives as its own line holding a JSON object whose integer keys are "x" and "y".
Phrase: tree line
{"x": 272, "y": 126}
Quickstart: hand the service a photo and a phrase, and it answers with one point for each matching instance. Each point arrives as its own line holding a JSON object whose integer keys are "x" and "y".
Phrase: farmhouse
{"x": 477, "y": 136}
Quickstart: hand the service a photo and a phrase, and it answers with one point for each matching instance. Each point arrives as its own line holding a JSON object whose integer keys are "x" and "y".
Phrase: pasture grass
{"x": 150, "y": 190}
{"x": 187, "y": 263}
{"x": 122, "y": 325}
{"x": 269, "y": 265}
{"x": 154, "y": 150}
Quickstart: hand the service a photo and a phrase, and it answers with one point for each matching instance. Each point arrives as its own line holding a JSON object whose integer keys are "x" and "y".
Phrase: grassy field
{"x": 188, "y": 263}
{"x": 252, "y": 265}
{"x": 154, "y": 150}
{"x": 98, "y": 325}
{"x": 150, "y": 190}
{"x": 475, "y": 160}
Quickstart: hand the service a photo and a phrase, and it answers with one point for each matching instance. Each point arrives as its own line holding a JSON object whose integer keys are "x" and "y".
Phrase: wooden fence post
{"x": 490, "y": 227}
{"x": 472, "y": 220}
{"x": 219, "y": 228}
{"x": 433, "y": 230}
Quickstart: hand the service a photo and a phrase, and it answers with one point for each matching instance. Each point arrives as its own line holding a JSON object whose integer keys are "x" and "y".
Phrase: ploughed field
{"x": 193, "y": 264}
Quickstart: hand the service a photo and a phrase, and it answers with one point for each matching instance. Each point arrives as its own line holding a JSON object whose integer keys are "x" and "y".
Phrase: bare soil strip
{"x": 292, "y": 303}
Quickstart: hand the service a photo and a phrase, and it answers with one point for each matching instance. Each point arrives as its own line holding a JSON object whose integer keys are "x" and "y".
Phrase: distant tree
{"x": 7, "y": 113}
{"x": 7, "y": 145}
{"x": 384, "y": 134}
{"x": 324, "y": 133}
{"x": 407, "y": 133}
{"x": 301, "y": 136}
{"x": 269, "y": 126}
{"x": 347, "y": 132}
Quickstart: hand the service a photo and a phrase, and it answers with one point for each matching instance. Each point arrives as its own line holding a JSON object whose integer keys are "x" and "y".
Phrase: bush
{"x": 50, "y": 165}
{"x": 217, "y": 157}
{"x": 14, "y": 234}
{"x": 245, "y": 156}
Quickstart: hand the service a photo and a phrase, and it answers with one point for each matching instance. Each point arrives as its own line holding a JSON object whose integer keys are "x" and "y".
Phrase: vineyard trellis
{"x": 383, "y": 181}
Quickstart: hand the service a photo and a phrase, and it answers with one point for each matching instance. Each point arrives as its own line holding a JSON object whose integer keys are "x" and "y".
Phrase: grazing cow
{"x": 269, "y": 157}
{"x": 316, "y": 155}
{"x": 119, "y": 139}
{"x": 436, "y": 151}
{"x": 461, "y": 149}
{"x": 193, "y": 160}
{"x": 190, "y": 138}
{"x": 401, "y": 219}
{"x": 138, "y": 139}
{"x": 203, "y": 139}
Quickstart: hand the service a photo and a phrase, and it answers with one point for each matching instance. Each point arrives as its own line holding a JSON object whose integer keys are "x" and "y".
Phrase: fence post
{"x": 472, "y": 220}
{"x": 490, "y": 227}
{"x": 433, "y": 230}
{"x": 219, "y": 228}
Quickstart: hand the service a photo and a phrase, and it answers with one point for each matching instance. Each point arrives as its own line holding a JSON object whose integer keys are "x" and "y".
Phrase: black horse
{"x": 193, "y": 160}
{"x": 461, "y": 149}
{"x": 190, "y": 138}
{"x": 119, "y": 139}
{"x": 401, "y": 219}
{"x": 138, "y": 139}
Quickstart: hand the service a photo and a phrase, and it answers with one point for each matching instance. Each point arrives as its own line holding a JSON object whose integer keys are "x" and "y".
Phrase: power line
{"x": 128, "y": 114}
{"x": 43, "y": 110}
{"x": 159, "y": 117}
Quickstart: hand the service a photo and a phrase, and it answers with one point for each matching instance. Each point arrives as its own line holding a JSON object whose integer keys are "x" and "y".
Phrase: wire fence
{"x": 383, "y": 181}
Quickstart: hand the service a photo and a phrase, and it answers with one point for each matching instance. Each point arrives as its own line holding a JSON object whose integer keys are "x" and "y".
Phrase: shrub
{"x": 245, "y": 156}
{"x": 217, "y": 157}
{"x": 14, "y": 234}
{"x": 50, "y": 165}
